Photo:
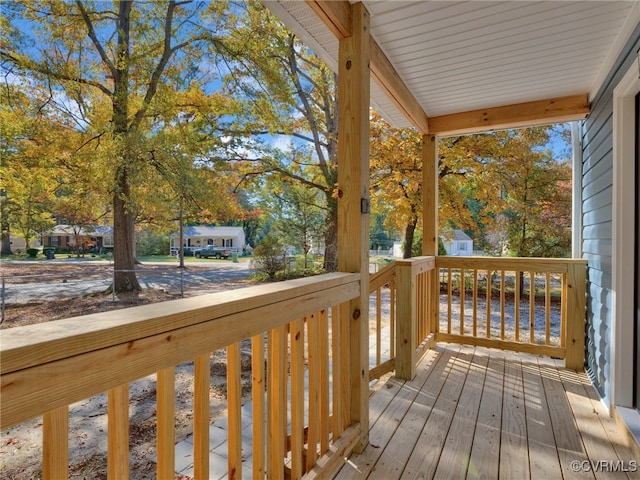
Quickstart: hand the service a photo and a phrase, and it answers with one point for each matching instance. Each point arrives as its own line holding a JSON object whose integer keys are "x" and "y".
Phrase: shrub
{"x": 268, "y": 257}
{"x": 152, "y": 243}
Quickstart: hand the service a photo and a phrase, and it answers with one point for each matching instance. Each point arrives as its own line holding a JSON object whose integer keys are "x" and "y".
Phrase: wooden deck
{"x": 474, "y": 412}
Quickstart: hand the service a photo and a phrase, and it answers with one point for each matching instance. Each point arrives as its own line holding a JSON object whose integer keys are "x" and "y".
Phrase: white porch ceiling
{"x": 463, "y": 56}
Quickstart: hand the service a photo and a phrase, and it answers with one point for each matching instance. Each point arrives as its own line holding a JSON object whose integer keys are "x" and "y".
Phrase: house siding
{"x": 597, "y": 211}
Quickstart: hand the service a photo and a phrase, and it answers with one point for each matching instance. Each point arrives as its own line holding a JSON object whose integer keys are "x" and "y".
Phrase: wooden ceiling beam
{"x": 392, "y": 85}
{"x": 555, "y": 110}
{"x": 336, "y": 15}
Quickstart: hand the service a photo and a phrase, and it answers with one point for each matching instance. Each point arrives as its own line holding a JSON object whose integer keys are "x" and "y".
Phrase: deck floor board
{"x": 480, "y": 413}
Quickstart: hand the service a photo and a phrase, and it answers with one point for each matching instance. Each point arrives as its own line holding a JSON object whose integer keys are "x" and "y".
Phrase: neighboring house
{"x": 89, "y": 238}
{"x": 608, "y": 182}
{"x": 457, "y": 243}
{"x": 232, "y": 238}
{"x": 18, "y": 244}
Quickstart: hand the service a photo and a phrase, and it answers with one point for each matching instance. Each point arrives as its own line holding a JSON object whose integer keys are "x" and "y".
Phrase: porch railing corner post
{"x": 576, "y": 315}
{"x": 406, "y": 335}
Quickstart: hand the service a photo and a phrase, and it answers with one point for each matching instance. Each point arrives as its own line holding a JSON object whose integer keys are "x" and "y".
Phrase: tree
{"x": 396, "y": 176}
{"x": 268, "y": 256}
{"x": 126, "y": 58}
{"x": 283, "y": 90}
{"x": 28, "y": 180}
{"x": 487, "y": 182}
{"x": 514, "y": 193}
{"x": 536, "y": 192}
{"x": 298, "y": 220}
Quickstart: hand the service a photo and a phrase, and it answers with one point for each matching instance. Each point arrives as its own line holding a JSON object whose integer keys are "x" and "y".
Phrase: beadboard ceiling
{"x": 463, "y": 56}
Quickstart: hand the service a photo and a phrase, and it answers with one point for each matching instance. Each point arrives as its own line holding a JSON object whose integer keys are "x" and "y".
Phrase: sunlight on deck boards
{"x": 486, "y": 413}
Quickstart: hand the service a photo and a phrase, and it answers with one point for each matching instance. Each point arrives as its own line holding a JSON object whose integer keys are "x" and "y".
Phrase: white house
{"x": 232, "y": 238}
{"x": 458, "y": 243}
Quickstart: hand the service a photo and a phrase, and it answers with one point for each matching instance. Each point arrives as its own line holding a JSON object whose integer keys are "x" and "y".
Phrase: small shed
{"x": 196, "y": 236}
{"x": 457, "y": 242}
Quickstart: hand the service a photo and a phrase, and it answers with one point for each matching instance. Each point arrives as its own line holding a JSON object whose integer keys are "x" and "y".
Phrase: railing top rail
{"x": 524, "y": 264}
{"x": 23, "y": 347}
{"x": 382, "y": 276}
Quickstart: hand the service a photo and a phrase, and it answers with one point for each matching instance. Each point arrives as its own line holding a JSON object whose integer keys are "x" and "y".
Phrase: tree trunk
{"x": 408, "y": 239}
{"x": 124, "y": 259}
{"x": 125, "y": 279}
{"x": 331, "y": 237}
{"x": 5, "y": 240}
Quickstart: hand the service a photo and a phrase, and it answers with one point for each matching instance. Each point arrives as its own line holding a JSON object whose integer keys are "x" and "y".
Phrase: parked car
{"x": 211, "y": 251}
{"x": 188, "y": 251}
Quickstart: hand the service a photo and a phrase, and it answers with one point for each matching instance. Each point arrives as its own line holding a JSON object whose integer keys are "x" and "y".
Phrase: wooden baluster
{"x": 421, "y": 307}
{"x": 449, "y": 295}
{"x": 276, "y": 432}
{"x": 532, "y": 306}
{"x": 502, "y": 303}
{"x": 488, "y": 333}
{"x": 417, "y": 318}
{"x": 314, "y": 391}
{"x": 336, "y": 369}
{"x": 257, "y": 400}
{"x": 345, "y": 370}
{"x": 392, "y": 318}
{"x": 166, "y": 417}
{"x": 55, "y": 444}
{"x": 118, "y": 433}
{"x": 462, "y": 274}
{"x": 324, "y": 380}
{"x": 475, "y": 302}
{"x": 547, "y": 309}
{"x": 234, "y": 408}
{"x": 516, "y": 303}
{"x": 297, "y": 398}
{"x": 378, "y": 326}
{"x": 201, "y": 386}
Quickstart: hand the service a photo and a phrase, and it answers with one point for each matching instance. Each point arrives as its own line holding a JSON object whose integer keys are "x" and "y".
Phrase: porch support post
{"x": 430, "y": 223}
{"x": 353, "y": 204}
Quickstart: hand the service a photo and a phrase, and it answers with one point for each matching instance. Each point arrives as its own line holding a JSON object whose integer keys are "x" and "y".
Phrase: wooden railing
{"x": 508, "y": 302}
{"x": 382, "y": 286}
{"x": 472, "y": 300}
{"x": 411, "y": 284}
{"x": 301, "y": 365}
{"x": 298, "y": 328}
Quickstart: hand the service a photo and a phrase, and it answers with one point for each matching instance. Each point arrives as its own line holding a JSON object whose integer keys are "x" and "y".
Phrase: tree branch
{"x": 94, "y": 38}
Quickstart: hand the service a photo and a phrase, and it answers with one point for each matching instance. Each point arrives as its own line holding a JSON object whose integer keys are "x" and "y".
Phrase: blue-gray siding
{"x": 597, "y": 209}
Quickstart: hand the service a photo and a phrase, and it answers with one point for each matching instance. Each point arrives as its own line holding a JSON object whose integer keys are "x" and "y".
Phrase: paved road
{"x": 209, "y": 278}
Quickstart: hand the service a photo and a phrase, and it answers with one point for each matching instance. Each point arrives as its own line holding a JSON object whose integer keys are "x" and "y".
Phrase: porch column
{"x": 353, "y": 203}
{"x": 430, "y": 221}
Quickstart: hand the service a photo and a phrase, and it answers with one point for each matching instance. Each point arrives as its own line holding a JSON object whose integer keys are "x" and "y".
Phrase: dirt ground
{"x": 21, "y": 445}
